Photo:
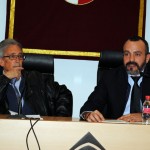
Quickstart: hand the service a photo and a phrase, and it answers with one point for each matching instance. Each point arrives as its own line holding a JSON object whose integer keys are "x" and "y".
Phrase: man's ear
{"x": 147, "y": 57}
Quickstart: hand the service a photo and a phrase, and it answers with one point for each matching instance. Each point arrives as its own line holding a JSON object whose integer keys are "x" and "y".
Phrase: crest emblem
{"x": 79, "y": 2}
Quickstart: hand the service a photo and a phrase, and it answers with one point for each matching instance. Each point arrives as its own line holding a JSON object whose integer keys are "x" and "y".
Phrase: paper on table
{"x": 27, "y": 116}
{"x": 12, "y": 112}
{"x": 34, "y": 117}
{"x": 115, "y": 121}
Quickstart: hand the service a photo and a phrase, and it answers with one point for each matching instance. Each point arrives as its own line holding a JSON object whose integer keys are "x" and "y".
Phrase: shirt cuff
{"x": 82, "y": 115}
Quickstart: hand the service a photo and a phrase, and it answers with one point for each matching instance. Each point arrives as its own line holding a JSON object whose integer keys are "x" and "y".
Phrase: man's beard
{"x": 131, "y": 71}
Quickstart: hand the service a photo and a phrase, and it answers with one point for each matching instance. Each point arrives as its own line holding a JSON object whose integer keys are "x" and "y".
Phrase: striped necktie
{"x": 13, "y": 81}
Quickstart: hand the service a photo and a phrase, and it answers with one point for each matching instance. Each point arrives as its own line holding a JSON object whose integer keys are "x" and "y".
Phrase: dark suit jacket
{"x": 112, "y": 92}
{"x": 43, "y": 95}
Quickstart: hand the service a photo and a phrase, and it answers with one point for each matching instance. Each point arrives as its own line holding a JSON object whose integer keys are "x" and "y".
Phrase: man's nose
{"x": 17, "y": 59}
{"x": 132, "y": 58}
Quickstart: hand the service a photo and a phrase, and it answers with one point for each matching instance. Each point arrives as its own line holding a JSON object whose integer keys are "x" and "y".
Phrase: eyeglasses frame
{"x": 16, "y": 56}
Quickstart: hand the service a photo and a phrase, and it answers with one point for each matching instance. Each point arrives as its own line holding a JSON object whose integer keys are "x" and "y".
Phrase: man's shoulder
{"x": 147, "y": 70}
{"x": 31, "y": 72}
{"x": 115, "y": 71}
{"x": 114, "y": 74}
{"x": 38, "y": 76}
{"x": 32, "y": 75}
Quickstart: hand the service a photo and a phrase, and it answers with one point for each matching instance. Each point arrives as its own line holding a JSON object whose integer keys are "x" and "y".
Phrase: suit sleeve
{"x": 60, "y": 100}
{"x": 97, "y": 99}
{"x": 4, "y": 81}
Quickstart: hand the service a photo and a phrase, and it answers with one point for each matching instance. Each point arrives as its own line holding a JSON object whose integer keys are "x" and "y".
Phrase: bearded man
{"x": 118, "y": 87}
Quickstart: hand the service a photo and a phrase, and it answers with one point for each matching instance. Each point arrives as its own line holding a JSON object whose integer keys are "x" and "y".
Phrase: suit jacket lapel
{"x": 124, "y": 87}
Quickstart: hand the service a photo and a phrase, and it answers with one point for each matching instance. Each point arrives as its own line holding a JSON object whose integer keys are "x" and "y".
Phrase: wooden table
{"x": 58, "y": 133}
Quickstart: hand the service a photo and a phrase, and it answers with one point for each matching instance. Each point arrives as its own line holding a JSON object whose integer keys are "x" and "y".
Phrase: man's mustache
{"x": 17, "y": 65}
{"x": 132, "y": 63}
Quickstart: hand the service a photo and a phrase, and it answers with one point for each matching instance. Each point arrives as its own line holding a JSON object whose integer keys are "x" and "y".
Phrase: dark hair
{"x": 6, "y": 43}
{"x": 137, "y": 38}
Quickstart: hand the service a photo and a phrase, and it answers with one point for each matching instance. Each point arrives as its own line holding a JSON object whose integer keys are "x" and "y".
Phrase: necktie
{"x": 13, "y": 81}
{"x": 15, "y": 99}
{"x": 12, "y": 100}
{"x": 18, "y": 96}
{"x": 135, "y": 97}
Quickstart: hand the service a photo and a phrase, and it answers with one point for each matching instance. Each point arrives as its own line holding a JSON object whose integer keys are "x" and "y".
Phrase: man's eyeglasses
{"x": 14, "y": 57}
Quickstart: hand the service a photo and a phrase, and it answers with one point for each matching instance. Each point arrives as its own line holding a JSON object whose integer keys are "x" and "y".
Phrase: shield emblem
{"x": 79, "y": 2}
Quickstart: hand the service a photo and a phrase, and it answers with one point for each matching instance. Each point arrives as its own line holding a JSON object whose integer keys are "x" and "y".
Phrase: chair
{"x": 108, "y": 60}
{"x": 39, "y": 62}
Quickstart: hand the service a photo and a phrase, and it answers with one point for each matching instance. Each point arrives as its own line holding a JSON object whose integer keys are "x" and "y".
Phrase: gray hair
{"x": 6, "y": 43}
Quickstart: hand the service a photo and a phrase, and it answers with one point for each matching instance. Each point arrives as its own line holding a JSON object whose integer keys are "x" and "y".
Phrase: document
{"x": 115, "y": 121}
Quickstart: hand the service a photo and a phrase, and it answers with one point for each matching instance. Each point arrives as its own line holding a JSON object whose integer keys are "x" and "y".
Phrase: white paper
{"x": 34, "y": 117}
{"x": 114, "y": 121}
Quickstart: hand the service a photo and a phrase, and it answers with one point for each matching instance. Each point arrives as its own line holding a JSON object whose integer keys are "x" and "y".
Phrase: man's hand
{"x": 94, "y": 116}
{"x": 134, "y": 117}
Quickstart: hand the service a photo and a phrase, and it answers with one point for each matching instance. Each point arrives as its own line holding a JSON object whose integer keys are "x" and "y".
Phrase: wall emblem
{"x": 79, "y": 2}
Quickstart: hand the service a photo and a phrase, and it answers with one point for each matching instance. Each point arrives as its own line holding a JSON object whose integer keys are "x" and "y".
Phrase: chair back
{"x": 40, "y": 62}
{"x": 108, "y": 60}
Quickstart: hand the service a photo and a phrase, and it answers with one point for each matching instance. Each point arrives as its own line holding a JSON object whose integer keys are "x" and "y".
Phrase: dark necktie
{"x": 13, "y": 81}
{"x": 18, "y": 96}
{"x": 14, "y": 96}
{"x": 135, "y": 97}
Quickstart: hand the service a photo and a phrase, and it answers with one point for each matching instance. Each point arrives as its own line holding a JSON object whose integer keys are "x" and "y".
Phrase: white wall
{"x": 78, "y": 75}
{"x": 147, "y": 29}
{"x": 80, "y": 78}
{"x": 2, "y": 18}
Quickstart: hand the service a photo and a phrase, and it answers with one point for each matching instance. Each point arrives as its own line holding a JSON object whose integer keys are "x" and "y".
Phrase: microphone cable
{"x": 31, "y": 128}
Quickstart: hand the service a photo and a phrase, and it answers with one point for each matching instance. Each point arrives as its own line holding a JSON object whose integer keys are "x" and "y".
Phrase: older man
{"x": 37, "y": 96}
